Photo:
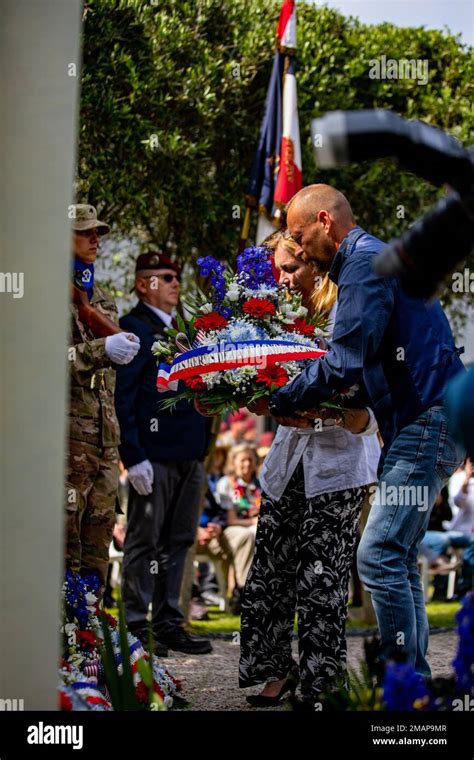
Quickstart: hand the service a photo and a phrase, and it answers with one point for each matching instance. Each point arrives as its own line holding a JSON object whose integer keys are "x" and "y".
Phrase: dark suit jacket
{"x": 147, "y": 432}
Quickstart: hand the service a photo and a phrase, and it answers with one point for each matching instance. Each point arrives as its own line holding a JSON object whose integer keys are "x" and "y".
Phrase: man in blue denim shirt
{"x": 400, "y": 353}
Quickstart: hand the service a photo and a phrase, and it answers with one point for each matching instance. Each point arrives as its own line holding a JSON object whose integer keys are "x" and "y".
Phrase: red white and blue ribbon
{"x": 223, "y": 356}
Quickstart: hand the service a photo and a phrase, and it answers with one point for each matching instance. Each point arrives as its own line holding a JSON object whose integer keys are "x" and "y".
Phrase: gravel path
{"x": 210, "y": 681}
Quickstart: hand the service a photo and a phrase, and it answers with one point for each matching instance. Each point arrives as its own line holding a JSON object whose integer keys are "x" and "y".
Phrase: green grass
{"x": 220, "y": 622}
{"x": 440, "y": 615}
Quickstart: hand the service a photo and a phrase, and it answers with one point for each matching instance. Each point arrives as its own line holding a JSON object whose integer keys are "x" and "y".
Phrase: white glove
{"x": 141, "y": 477}
{"x": 122, "y": 347}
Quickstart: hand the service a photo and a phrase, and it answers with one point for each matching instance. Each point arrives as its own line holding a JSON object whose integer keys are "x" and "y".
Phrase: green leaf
{"x": 181, "y": 324}
{"x": 110, "y": 668}
{"x": 130, "y": 701}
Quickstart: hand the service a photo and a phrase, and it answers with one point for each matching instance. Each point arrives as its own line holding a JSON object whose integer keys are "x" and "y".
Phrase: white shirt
{"x": 333, "y": 458}
{"x": 163, "y": 315}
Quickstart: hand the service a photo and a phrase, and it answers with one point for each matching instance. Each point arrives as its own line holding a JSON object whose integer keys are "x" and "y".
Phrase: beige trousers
{"x": 241, "y": 540}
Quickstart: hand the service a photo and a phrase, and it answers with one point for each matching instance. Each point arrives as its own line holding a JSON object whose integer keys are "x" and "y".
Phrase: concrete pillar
{"x": 38, "y": 131}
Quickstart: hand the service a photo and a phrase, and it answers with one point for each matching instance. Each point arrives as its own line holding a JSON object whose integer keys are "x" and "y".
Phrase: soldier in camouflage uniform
{"x": 93, "y": 432}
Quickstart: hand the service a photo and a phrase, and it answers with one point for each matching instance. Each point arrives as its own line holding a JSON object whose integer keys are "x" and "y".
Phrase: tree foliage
{"x": 173, "y": 94}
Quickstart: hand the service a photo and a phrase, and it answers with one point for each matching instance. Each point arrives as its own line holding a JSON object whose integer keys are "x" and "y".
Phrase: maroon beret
{"x": 155, "y": 260}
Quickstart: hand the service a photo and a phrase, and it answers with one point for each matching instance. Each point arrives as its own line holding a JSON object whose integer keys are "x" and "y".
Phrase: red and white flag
{"x": 289, "y": 176}
{"x": 276, "y": 172}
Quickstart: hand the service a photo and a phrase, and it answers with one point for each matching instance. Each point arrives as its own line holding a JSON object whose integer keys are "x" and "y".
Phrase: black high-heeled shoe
{"x": 291, "y": 682}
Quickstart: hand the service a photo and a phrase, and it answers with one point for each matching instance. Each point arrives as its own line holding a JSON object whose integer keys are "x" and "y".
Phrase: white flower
{"x": 264, "y": 291}
{"x": 232, "y": 293}
{"x": 289, "y": 314}
{"x": 211, "y": 378}
{"x": 91, "y": 598}
{"x": 276, "y": 329}
{"x": 293, "y": 368}
{"x": 160, "y": 347}
{"x": 211, "y": 337}
{"x": 302, "y": 311}
{"x": 240, "y": 376}
{"x": 206, "y": 308}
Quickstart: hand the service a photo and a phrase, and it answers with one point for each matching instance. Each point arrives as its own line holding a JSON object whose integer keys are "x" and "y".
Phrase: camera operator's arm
{"x": 365, "y": 303}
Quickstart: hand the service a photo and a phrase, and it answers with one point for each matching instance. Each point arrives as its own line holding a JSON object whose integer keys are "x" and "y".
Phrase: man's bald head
{"x": 314, "y": 198}
{"x": 319, "y": 218}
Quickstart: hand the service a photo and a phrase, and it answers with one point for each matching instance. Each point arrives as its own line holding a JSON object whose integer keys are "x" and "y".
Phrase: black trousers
{"x": 161, "y": 529}
{"x": 303, "y": 555}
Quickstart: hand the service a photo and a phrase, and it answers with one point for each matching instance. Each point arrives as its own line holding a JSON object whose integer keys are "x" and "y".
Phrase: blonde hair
{"x": 324, "y": 295}
{"x": 235, "y": 451}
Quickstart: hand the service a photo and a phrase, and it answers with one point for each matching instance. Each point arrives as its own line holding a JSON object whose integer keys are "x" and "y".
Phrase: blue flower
{"x": 208, "y": 265}
{"x": 403, "y": 686}
{"x": 76, "y": 589}
{"x": 241, "y": 330}
{"x": 255, "y": 267}
{"x": 464, "y": 661}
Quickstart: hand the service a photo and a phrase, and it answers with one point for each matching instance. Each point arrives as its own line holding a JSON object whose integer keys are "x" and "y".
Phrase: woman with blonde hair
{"x": 239, "y": 494}
{"x": 314, "y": 482}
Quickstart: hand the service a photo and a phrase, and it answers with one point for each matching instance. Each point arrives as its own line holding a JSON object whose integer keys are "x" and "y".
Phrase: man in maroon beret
{"x": 163, "y": 452}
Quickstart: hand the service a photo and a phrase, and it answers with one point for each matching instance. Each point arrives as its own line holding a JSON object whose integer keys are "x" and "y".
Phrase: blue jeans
{"x": 438, "y": 541}
{"x": 419, "y": 462}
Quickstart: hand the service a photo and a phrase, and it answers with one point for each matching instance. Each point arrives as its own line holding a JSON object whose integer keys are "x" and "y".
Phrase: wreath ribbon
{"x": 223, "y": 356}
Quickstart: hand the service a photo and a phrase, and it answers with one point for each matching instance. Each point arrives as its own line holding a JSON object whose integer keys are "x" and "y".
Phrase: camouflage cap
{"x": 86, "y": 219}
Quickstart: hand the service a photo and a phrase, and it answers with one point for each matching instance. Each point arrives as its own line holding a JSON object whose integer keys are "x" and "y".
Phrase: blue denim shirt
{"x": 399, "y": 350}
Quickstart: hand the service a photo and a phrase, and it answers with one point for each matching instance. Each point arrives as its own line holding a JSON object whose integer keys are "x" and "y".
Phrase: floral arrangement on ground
{"x": 103, "y": 666}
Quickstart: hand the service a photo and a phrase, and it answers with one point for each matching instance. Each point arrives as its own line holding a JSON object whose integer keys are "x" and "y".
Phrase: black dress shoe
{"x": 161, "y": 650}
{"x": 181, "y": 641}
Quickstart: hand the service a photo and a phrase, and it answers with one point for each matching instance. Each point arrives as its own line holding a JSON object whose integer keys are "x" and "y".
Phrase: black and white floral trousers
{"x": 303, "y": 554}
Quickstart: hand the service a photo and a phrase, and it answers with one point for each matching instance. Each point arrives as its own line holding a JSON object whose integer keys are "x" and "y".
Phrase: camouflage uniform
{"x": 92, "y": 467}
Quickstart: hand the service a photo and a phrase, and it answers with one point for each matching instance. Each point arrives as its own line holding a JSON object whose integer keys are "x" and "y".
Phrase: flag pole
{"x": 270, "y": 138}
{"x": 245, "y": 229}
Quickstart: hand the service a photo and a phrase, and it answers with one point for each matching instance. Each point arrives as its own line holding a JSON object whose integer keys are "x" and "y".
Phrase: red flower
{"x": 86, "y": 638}
{"x": 141, "y": 693}
{"x": 212, "y": 321}
{"x": 301, "y": 326}
{"x": 259, "y": 307}
{"x": 113, "y": 622}
{"x": 65, "y": 701}
{"x": 272, "y": 376}
{"x": 195, "y": 383}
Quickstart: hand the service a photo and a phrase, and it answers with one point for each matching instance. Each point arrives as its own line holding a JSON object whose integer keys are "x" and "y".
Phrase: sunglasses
{"x": 165, "y": 277}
